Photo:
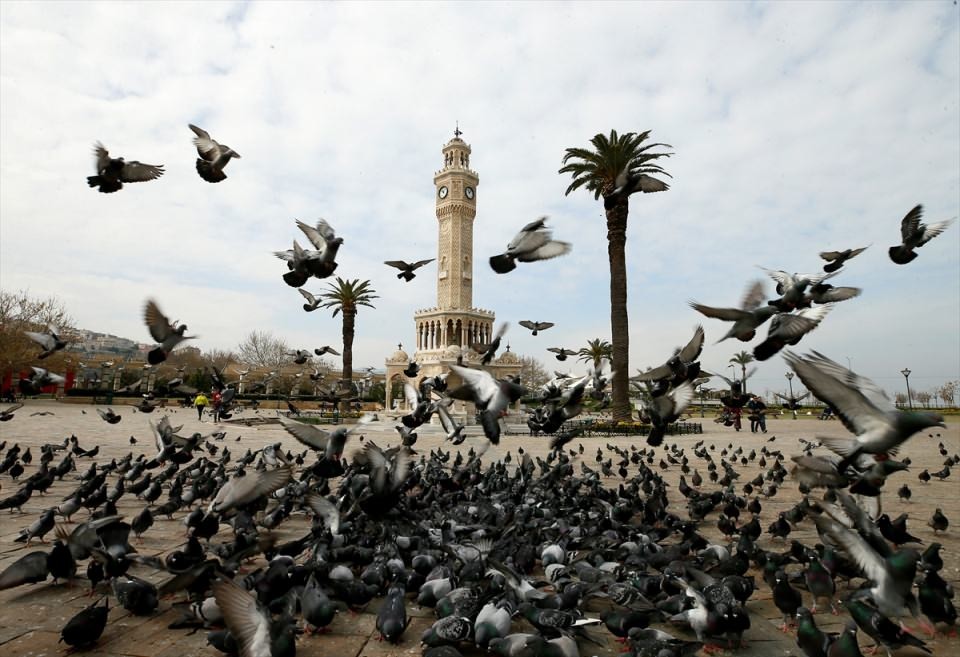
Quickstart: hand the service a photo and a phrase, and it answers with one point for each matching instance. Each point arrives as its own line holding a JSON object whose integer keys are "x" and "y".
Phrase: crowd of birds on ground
{"x": 511, "y": 556}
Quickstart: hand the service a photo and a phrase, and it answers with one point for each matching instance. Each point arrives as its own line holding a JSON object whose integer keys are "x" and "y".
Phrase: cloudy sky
{"x": 795, "y": 128}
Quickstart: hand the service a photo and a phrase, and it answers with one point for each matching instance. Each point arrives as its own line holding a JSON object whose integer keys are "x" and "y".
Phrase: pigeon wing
{"x": 543, "y": 326}
{"x": 551, "y": 249}
{"x": 399, "y": 264}
{"x": 726, "y": 314}
{"x": 314, "y": 235}
{"x": 134, "y": 171}
{"x": 421, "y": 263}
{"x": 102, "y": 156}
{"x": 325, "y": 509}
{"x": 308, "y": 435}
{"x": 840, "y": 294}
{"x": 207, "y": 148}
{"x": 865, "y": 557}
{"x": 932, "y": 230}
{"x": 527, "y": 324}
{"x": 910, "y": 224}
{"x": 306, "y": 295}
{"x": 246, "y": 622}
{"x": 157, "y": 322}
{"x": 690, "y": 352}
{"x": 43, "y": 339}
{"x": 753, "y": 296}
{"x": 854, "y": 409}
{"x": 481, "y": 383}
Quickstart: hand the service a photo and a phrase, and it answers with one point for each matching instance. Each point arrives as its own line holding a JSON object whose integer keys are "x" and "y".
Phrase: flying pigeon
{"x": 165, "y": 332}
{"x": 745, "y": 319}
{"x": 862, "y": 406}
{"x": 788, "y": 329}
{"x": 303, "y": 263}
{"x": 914, "y": 235}
{"x": 836, "y": 259}
{"x": 213, "y": 156}
{"x": 300, "y": 356}
{"x": 791, "y": 287}
{"x": 826, "y": 293}
{"x": 492, "y": 397}
{"x": 663, "y": 410}
{"x": 535, "y": 327}
{"x": 7, "y": 413}
{"x": 407, "y": 268}
{"x": 50, "y": 341}
{"x": 562, "y": 353}
{"x": 680, "y": 367}
{"x": 251, "y": 624}
{"x": 627, "y": 183}
{"x": 312, "y": 302}
{"x": 326, "y": 350}
{"x": 40, "y": 379}
{"x": 533, "y": 242}
{"x": 113, "y": 172}
{"x": 488, "y": 351}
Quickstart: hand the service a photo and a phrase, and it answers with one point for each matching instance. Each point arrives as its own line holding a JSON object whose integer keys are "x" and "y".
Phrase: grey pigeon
{"x": 168, "y": 334}
{"x": 861, "y": 405}
{"x": 492, "y": 397}
{"x": 243, "y": 490}
{"x": 407, "y": 268}
{"x": 112, "y": 172}
{"x": 300, "y": 356}
{"x": 788, "y": 329}
{"x": 533, "y": 242}
{"x": 836, "y": 259}
{"x": 319, "y": 263}
{"x": 746, "y": 319}
{"x": 628, "y": 183}
{"x": 312, "y": 302}
{"x": 109, "y": 416}
{"x": 38, "y": 528}
{"x": 213, "y": 156}
{"x": 562, "y": 353}
{"x": 665, "y": 409}
{"x": 251, "y": 624}
{"x": 681, "y": 364}
{"x": 914, "y": 235}
{"x": 791, "y": 287}
{"x": 50, "y": 341}
{"x": 535, "y": 327}
{"x": 40, "y": 379}
{"x": 6, "y": 414}
{"x": 826, "y": 293}
{"x": 488, "y": 351}
{"x": 326, "y": 349}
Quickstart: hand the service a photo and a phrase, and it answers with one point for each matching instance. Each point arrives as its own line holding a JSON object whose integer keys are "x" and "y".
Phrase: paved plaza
{"x": 31, "y": 616}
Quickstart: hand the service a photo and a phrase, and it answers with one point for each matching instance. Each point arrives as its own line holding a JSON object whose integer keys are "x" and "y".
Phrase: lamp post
{"x": 906, "y": 375}
{"x": 789, "y": 376}
{"x": 701, "y": 398}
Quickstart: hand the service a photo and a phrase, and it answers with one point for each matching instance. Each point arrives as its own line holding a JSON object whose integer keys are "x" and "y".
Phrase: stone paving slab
{"x": 31, "y": 616}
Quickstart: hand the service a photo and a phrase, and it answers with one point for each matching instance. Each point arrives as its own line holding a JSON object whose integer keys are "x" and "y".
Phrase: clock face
{"x": 442, "y": 192}
{"x": 469, "y": 192}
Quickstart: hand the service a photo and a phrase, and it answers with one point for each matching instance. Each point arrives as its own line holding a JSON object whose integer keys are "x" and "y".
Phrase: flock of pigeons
{"x": 508, "y": 554}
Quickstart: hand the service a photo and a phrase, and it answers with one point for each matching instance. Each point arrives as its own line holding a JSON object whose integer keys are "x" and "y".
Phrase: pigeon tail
{"x": 767, "y": 348}
{"x": 502, "y": 263}
{"x": 899, "y": 254}
{"x": 106, "y": 186}
{"x": 491, "y": 427}
{"x": 295, "y": 278}
{"x": 208, "y": 173}
{"x": 156, "y": 356}
{"x": 655, "y": 438}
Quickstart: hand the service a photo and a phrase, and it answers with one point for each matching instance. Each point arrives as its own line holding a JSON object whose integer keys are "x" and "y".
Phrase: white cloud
{"x": 796, "y": 127}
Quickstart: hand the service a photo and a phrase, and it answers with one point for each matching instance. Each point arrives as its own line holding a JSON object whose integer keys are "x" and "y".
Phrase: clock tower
{"x": 445, "y": 332}
{"x": 456, "y": 206}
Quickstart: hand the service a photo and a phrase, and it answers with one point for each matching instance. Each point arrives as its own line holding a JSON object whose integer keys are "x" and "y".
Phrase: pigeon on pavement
{"x": 213, "y": 156}
{"x": 112, "y": 172}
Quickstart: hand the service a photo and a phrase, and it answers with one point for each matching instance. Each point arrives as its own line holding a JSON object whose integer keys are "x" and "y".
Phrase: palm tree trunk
{"x": 743, "y": 373}
{"x": 349, "y": 317}
{"x": 619, "y": 324}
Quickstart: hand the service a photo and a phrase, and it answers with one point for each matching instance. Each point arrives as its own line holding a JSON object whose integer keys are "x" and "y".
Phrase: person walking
{"x": 758, "y": 414}
{"x": 217, "y": 404}
{"x": 200, "y": 401}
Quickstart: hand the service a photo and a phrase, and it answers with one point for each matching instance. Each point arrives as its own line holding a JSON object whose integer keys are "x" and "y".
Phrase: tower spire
{"x": 456, "y": 131}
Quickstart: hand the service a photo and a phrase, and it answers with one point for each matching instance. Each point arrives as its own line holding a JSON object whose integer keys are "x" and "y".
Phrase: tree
{"x": 617, "y": 167}
{"x": 743, "y": 359}
{"x": 21, "y": 312}
{"x": 346, "y": 296}
{"x": 532, "y": 373}
{"x": 262, "y": 349}
{"x": 947, "y": 392}
{"x": 595, "y": 351}
{"x": 922, "y": 397}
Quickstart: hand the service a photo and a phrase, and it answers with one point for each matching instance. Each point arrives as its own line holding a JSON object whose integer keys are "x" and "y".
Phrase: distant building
{"x": 444, "y": 333}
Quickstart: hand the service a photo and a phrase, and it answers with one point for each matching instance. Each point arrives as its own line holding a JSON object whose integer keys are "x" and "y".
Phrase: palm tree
{"x": 595, "y": 351}
{"x": 615, "y": 169}
{"x": 346, "y": 296}
{"x": 743, "y": 359}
